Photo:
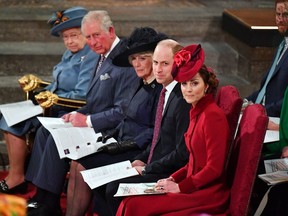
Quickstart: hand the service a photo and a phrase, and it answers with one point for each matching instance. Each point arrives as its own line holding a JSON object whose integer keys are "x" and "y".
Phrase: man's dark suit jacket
{"x": 170, "y": 152}
{"x": 109, "y": 93}
{"x": 275, "y": 88}
{"x": 107, "y": 100}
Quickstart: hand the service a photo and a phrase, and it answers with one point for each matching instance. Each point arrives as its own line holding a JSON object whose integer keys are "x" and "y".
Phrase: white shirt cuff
{"x": 88, "y": 121}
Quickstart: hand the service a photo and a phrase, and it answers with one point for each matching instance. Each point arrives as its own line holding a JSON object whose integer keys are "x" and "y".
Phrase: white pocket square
{"x": 104, "y": 77}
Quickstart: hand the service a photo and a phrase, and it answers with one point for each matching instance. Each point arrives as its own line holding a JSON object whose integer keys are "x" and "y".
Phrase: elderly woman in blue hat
{"x": 70, "y": 80}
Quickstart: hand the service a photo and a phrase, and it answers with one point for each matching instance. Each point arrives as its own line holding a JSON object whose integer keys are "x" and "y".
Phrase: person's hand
{"x": 273, "y": 126}
{"x": 285, "y": 152}
{"x": 167, "y": 185}
{"x": 139, "y": 169}
{"x": 66, "y": 117}
{"x": 76, "y": 119}
{"x": 138, "y": 163}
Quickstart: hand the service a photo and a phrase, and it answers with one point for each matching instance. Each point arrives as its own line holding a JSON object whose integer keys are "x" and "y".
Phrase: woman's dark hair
{"x": 210, "y": 79}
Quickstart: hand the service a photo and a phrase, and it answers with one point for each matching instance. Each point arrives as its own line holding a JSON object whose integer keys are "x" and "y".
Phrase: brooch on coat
{"x": 82, "y": 58}
{"x": 104, "y": 77}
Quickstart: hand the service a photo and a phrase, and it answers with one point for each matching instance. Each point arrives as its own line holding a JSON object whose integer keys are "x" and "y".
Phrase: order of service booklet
{"x": 272, "y": 135}
{"x": 134, "y": 189}
{"x": 274, "y": 177}
{"x": 24, "y": 110}
{"x": 73, "y": 142}
{"x": 276, "y": 171}
{"x": 105, "y": 174}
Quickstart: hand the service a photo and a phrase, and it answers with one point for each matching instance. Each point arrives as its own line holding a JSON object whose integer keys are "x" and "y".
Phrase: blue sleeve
{"x": 84, "y": 77}
{"x": 112, "y": 116}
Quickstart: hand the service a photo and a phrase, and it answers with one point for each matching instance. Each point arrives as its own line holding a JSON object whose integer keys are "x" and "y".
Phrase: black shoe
{"x": 38, "y": 209}
{"x": 18, "y": 189}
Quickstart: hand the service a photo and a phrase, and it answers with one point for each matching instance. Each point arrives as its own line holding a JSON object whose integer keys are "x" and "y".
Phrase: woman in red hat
{"x": 200, "y": 185}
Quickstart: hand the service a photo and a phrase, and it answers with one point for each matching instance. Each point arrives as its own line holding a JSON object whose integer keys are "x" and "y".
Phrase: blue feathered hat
{"x": 70, "y": 18}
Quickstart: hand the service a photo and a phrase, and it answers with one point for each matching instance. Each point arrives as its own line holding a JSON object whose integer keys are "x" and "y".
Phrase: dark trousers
{"x": 277, "y": 201}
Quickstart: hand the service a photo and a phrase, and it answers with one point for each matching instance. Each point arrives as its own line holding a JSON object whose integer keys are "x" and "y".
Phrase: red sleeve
{"x": 215, "y": 132}
{"x": 180, "y": 174}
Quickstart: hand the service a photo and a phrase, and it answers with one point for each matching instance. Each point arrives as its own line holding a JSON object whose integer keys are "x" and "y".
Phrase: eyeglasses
{"x": 73, "y": 36}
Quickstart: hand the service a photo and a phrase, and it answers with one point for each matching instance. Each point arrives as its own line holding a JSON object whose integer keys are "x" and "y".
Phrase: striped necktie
{"x": 102, "y": 59}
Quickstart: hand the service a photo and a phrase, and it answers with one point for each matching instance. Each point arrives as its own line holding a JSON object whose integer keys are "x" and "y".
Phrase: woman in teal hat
{"x": 70, "y": 80}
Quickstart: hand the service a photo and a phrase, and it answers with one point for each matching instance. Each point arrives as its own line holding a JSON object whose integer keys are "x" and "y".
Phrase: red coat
{"x": 202, "y": 180}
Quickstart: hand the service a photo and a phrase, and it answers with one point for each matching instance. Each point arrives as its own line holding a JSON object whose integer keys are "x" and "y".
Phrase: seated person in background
{"x": 71, "y": 79}
{"x": 274, "y": 149}
{"x": 135, "y": 132}
{"x": 274, "y": 202}
{"x": 167, "y": 152}
{"x": 107, "y": 100}
{"x": 275, "y": 81}
{"x": 200, "y": 185}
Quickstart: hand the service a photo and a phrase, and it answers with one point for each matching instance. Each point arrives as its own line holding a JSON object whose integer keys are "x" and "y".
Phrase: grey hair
{"x": 100, "y": 16}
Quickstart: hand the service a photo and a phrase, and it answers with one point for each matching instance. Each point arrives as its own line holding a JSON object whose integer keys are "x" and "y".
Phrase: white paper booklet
{"x": 51, "y": 123}
{"x": 274, "y": 165}
{"x": 272, "y": 135}
{"x": 275, "y": 119}
{"x": 276, "y": 171}
{"x": 72, "y": 142}
{"x": 105, "y": 174}
{"x": 275, "y": 177}
{"x": 134, "y": 189}
{"x": 14, "y": 113}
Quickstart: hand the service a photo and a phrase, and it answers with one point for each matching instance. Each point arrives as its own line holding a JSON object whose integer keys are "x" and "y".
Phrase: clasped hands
{"x": 163, "y": 185}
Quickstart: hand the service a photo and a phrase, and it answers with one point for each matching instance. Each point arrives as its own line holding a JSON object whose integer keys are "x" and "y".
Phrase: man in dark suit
{"x": 273, "y": 84}
{"x": 277, "y": 77}
{"x": 107, "y": 100}
{"x": 170, "y": 151}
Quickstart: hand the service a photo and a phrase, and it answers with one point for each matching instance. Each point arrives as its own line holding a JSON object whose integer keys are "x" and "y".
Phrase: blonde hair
{"x": 148, "y": 53}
